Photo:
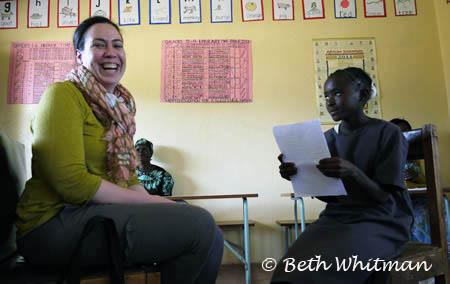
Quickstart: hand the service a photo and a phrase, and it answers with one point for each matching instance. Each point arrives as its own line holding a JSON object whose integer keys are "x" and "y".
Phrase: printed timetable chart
{"x": 204, "y": 71}
{"x": 333, "y": 54}
{"x": 33, "y": 66}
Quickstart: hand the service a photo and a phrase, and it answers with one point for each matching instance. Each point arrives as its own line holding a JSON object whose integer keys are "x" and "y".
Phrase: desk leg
{"x": 295, "y": 218}
{"x": 246, "y": 244}
{"x": 302, "y": 214}
{"x": 447, "y": 215}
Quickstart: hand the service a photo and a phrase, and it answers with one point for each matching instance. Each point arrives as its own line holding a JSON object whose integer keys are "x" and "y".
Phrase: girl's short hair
{"x": 356, "y": 75}
{"x": 78, "y": 35}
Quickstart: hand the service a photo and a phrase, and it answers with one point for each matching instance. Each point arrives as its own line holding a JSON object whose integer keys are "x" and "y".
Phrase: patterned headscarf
{"x": 116, "y": 113}
{"x": 145, "y": 142}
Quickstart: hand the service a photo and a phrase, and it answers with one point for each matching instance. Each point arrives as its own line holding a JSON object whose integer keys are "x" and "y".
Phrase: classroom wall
{"x": 443, "y": 21}
{"x": 226, "y": 148}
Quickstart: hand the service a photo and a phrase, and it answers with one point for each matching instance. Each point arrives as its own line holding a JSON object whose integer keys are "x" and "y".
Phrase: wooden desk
{"x": 246, "y": 258}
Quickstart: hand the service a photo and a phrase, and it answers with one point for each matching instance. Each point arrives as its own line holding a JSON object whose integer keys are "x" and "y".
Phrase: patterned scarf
{"x": 116, "y": 114}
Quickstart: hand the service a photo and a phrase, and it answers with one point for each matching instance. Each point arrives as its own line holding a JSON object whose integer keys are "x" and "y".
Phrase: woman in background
{"x": 156, "y": 180}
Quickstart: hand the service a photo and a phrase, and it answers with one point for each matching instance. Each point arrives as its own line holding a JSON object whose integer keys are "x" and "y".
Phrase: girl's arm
{"x": 340, "y": 168}
{"x": 112, "y": 193}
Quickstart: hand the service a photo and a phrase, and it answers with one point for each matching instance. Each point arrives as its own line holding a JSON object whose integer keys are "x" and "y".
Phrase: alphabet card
{"x": 8, "y": 14}
{"x": 190, "y": 11}
{"x": 374, "y": 8}
{"x": 68, "y": 13}
{"x": 160, "y": 12}
{"x": 129, "y": 12}
{"x": 252, "y": 10}
{"x": 313, "y": 9}
{"x": 100, "y": 8}
{"x": 405, "y": 7}
{"x": 221, "y": 11}
{"x": 38, "y": 13}
{"x": 344, "y": 9}
{"x": 283, "y": 10}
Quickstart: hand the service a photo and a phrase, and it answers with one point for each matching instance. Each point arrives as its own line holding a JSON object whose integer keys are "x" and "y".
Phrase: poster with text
{"x": 190, "y": 11}
{"x": 160, "y": 12}
{"x": 252, "y": 10}
{"x": 206, "y": 71}
{"x": 283, "y": 10}
{"x": 405, "y": 7}
{"x": 221, "y": 11}
{"x": 33, "y": 66}
{"x": 8, "y": 14}
{"x": 313, "y": 9}
{"x": 344, "y": 9}
{"x": 38, "y": 14}
{"x": 100, "y": 8}
{"x": 68, "y": 13}
{"x": 129, "y": 12}
{"x": 333, "y": 54}
{"x": 374, "y": 8}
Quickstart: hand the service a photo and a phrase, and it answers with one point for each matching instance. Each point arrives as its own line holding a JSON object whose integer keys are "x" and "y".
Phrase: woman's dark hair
{"x": 398, "y": 121}
{"x": 361, "y": 79}
{"x": 78, "y": 35}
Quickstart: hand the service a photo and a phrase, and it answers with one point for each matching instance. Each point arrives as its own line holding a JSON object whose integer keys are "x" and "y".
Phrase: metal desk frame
{"x": 246, "y": 250}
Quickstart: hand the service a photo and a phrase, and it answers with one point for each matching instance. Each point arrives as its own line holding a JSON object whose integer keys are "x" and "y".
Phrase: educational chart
{"x": 204, "y": 71}
{"x": 374, "y": 8}
{"x": 333, "y": 54}
{"x": 68, "y": 13}
{"x": 33, "y": 66}
{"x": 100, "y": 8}
{"x": 405, "y": 7}
{"x": 8, "y": 14}
{"x": 344, "y": 9}
{"x": 38, "y": 14}
{"x": 129, "y": 12}
{"x": 160, "y": 12}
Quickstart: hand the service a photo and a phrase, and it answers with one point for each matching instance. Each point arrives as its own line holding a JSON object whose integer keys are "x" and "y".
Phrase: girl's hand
{"x": 337, "y": 167}
{"x": 287, "y": 169}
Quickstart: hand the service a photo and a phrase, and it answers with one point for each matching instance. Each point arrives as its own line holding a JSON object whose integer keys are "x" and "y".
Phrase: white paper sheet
{"x": 304, "y": 145}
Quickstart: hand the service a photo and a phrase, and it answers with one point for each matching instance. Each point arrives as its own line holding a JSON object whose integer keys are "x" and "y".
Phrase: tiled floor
{"x": 234, "y": 274}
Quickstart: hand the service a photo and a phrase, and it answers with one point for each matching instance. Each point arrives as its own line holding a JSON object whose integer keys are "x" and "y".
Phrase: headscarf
{"x": 145, "y": 142}
{"x": 116, "y": 113}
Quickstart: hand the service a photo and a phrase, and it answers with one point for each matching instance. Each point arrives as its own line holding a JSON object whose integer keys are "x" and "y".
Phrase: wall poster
{"x": 205, "y": 71}
{"x": 38, "y": 14}
{"x": 8, "y": 14}
{"x": 333, "y": 54}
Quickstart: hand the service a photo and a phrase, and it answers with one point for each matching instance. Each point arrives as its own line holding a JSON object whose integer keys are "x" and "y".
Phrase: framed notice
{"x": 190, "y": 11}
{"x": 8, "y": 14}
{"x": 38, "y": 14}
{"x": 68, "y": 13}
{"x": 206, "y": 71}
{"x": 344, "y": 9}
{"x": 374, "y": 8}
{"x": 160, "y": 12}
{"x": 252, "y": 10}
{"x": 313, "y": 9}
{"x": 129, "y": 12}
{"x": 333, "y": 54}
{"x": 283, "y": 10}
{"x": 405, "y": 7}
{"x": 221, "y": 11}
{"x": 100, "y": 8}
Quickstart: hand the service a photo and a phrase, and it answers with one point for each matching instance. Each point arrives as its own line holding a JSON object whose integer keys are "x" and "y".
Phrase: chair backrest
{"x": 12, "y": 177}
{"x": 423, "y": 144}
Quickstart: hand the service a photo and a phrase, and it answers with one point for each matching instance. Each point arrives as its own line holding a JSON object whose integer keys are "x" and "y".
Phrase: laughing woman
{"x": 84, "y": 165}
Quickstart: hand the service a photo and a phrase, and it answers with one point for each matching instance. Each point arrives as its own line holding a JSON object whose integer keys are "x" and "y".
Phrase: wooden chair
{"x": 423, "y": 144}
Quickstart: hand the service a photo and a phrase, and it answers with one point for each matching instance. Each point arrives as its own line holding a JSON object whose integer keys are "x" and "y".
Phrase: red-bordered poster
{"x": 8, "y": 14}
{"x": 374, "y": 8}
{"x": 313, "y": 9}
{"x": 68, "y": 13}
{"x": 405, "y": 7}
{"x": 38, "y": 14}
{"x": 204, "y": 71}
{"x": 283, "y": 10}
{"x": 33, "y": 66}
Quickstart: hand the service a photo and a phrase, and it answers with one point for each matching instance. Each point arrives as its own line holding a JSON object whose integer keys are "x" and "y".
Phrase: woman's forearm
{"x": 111, "y": 193}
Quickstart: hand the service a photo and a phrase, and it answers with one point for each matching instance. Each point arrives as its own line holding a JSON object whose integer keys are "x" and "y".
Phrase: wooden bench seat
{"x": 291, "y": 222}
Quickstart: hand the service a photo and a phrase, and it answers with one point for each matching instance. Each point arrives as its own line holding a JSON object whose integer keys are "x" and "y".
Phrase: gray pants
{"x": 183, "y": 239}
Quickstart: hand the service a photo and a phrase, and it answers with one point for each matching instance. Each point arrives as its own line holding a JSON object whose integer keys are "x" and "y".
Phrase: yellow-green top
{"x": 69, "y": 157}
